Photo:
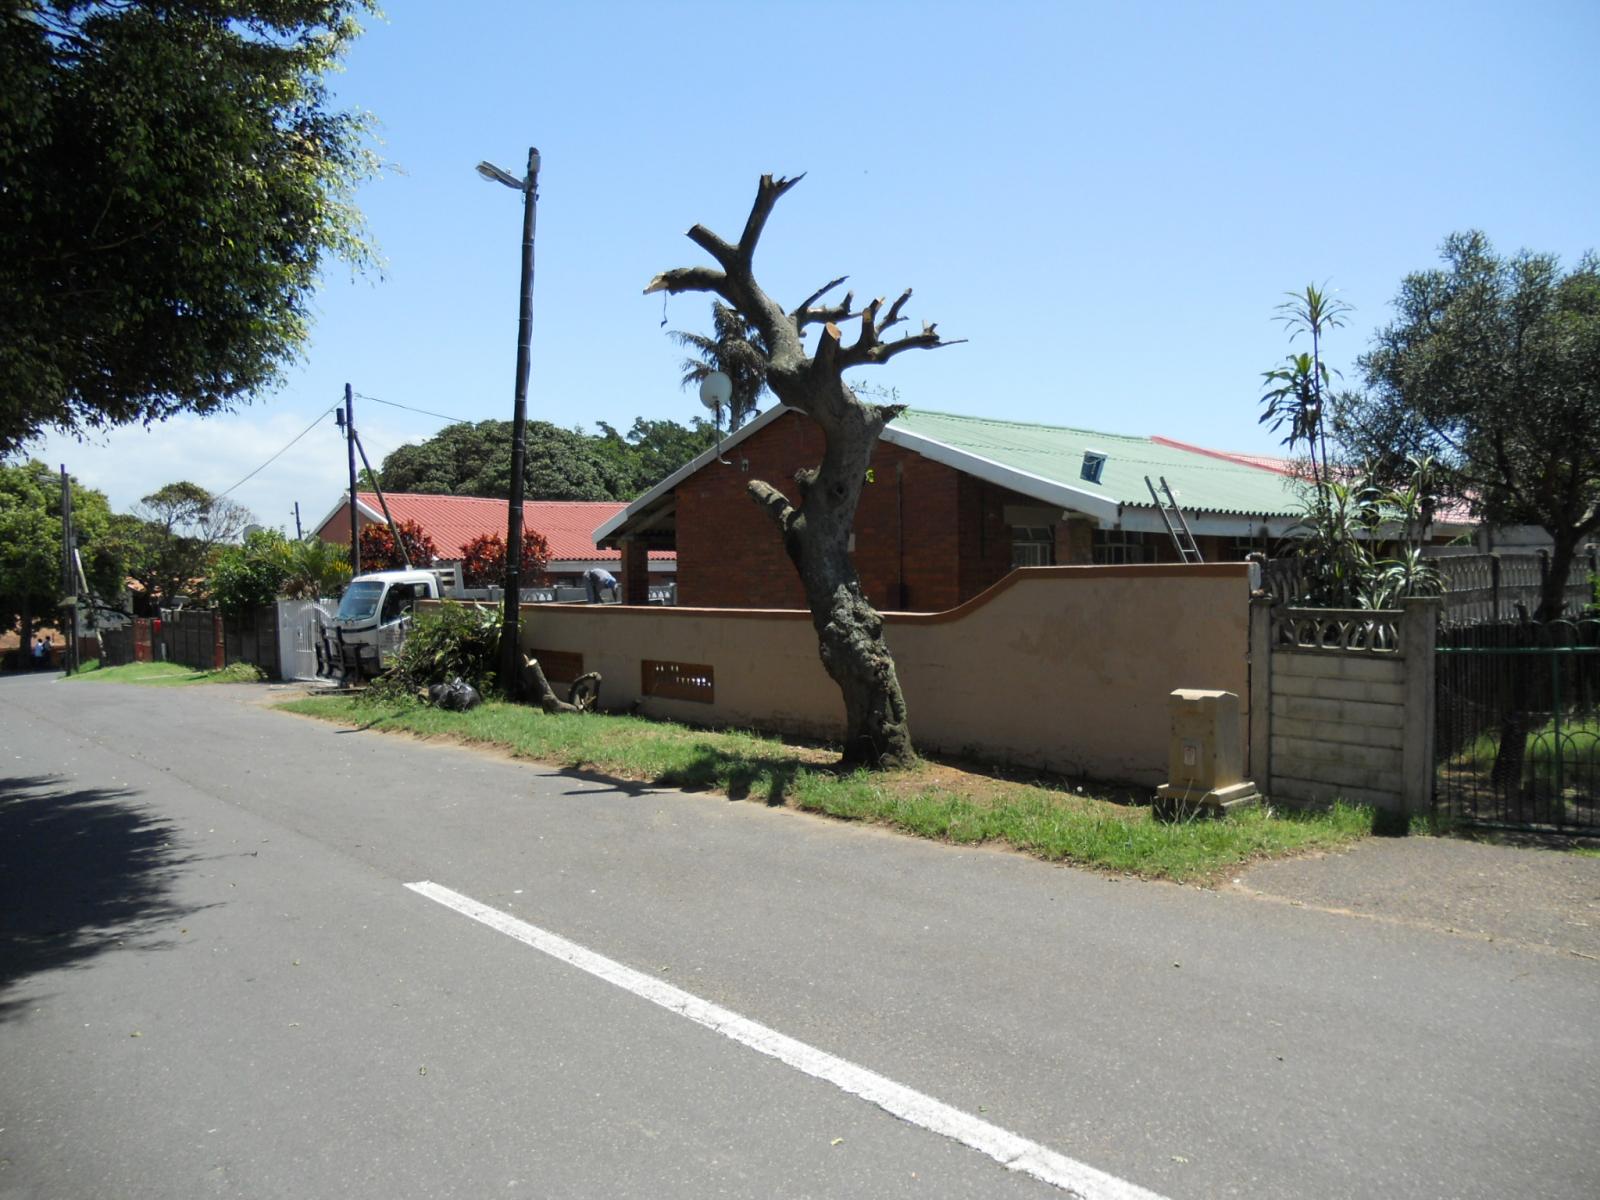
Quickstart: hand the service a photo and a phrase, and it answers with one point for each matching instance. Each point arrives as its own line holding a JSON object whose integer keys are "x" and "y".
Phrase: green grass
{"x": 1580, "y": 742}
{"x": 166, "y": 674}
{"x": 932, "y": 800}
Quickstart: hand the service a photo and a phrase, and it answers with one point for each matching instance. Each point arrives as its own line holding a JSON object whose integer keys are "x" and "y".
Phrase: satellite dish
{"x": 716, "y": 389}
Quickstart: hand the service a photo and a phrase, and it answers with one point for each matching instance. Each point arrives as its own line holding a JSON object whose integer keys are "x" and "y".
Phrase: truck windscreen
{"x": 360, "y": 600}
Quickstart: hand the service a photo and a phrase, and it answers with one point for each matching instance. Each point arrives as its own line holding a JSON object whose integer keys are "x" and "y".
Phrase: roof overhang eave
{"x": 1024, "y": 483}
{"x": 605, "y": 534}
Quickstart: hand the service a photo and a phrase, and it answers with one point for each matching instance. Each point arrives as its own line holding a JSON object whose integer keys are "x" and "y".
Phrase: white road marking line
{"x": 1010, "y": 1150}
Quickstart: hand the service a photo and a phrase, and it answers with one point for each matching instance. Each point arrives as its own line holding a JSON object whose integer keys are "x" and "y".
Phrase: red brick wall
{"x": 927, "y": 536}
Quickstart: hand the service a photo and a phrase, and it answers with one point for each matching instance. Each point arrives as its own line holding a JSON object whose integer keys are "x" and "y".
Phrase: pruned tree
{"x": 816, "y": 525}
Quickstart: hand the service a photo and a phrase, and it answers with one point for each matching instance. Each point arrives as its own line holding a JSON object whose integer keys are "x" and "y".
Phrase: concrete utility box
{"x": 1205, "y": 757}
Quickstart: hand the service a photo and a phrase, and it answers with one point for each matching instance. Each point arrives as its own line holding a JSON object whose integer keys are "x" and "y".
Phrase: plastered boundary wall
{"x": 1064, "y": 668}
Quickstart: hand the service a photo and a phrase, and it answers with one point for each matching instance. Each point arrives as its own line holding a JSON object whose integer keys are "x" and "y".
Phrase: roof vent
{"x": 1093, "y": 463}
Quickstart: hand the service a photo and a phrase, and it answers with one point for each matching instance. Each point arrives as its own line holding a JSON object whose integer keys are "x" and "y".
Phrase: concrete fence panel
{"x": 1062, "y": 668}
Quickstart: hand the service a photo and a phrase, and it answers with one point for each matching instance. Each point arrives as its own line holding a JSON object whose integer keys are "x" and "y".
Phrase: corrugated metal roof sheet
{"x": 1200, "y": 482}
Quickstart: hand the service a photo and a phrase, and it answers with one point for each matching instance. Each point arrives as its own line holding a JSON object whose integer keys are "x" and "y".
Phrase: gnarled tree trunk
{"x": 816, "y": 530}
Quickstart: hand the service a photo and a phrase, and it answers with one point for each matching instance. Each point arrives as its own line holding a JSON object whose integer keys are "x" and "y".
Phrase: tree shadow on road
{"x": 770, "y": 776}
{"x": 81, "y": 870}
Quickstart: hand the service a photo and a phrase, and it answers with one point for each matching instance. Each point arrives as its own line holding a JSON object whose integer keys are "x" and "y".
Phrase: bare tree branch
{"x": 819, "y": 294}
{"x": 726, "y": 255}
{"x": 692, "y": 279}
{"x": 766, "y": 196}
{"x": 869, "y": 350}
{"x": 833, "y": 313}
{"x": 775, "y": 502}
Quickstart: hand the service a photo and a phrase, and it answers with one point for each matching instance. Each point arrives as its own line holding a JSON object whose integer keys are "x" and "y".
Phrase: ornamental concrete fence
{"x": 1342, "y": 704}
{"x": 1067, "y": 669}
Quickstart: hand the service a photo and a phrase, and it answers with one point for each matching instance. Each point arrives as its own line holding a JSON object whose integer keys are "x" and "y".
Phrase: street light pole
{"x": 510, "y": 667}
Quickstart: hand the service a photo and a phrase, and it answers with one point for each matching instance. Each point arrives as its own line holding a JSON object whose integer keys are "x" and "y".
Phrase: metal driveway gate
{"x": 1518, "y": 725}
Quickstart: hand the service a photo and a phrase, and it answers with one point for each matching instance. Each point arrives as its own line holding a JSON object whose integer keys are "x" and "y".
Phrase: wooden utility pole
{"x": 348, "y": 421}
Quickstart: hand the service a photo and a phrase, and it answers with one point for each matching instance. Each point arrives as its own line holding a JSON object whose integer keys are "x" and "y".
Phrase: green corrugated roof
{"x": 1199, "y": 482}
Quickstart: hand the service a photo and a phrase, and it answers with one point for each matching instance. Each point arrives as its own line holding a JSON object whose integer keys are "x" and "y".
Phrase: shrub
{"x": 483, "y": 559}
{"x": 247, "y": 576}
{"x": 453, "y": 639}
{"x": 380, "y": 552}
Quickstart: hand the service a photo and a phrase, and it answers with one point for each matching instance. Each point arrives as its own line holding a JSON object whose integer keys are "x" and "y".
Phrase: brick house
{"x": 452, "y": 521}
{"x": 952, "y": 504}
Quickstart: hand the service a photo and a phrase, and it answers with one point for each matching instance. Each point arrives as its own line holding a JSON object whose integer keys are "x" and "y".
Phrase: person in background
{"x": 38, "y": 654}
{"x": 595, "y": 579}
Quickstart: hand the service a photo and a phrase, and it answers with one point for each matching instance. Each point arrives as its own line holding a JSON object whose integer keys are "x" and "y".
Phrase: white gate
{"x": 298, "y": 621}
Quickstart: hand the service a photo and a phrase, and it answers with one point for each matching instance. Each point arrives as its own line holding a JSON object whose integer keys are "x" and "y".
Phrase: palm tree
{"x": 736, "y": 351}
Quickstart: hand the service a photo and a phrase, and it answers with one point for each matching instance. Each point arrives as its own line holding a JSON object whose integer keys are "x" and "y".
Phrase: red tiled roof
{"x": 452, "y": 521}
{"x": 1266, "y": 462}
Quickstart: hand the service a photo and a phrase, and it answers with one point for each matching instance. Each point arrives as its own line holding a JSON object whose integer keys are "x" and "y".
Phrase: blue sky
{"x": 1106, "y": 200}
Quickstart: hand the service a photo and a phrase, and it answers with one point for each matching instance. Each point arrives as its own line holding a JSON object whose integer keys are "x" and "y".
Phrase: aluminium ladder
{"x": 1172, "y": 517}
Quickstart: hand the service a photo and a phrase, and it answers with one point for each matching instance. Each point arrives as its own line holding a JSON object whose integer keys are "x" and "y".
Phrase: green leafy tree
{"x": 475, "y": 460}
{"x": 174, "y": 179}
{"x": 30, "y": 546}
{"x": 181, "y": 527}
{"x": 252, "y": 574}
{"x": 1492, "y": 367}
{"x": 735, "y": 348}
{"x": 652, "y": 450}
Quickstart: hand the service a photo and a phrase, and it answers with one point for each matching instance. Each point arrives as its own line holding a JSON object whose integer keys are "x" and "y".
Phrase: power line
{"x": 408, "y": 408}
{"x": 320, "y": 418}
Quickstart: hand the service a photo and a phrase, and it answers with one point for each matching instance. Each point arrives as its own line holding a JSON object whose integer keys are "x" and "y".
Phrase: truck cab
{"x": 361, "y": 640}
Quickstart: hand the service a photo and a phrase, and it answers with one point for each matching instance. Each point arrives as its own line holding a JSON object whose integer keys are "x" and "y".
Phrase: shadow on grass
{"x": 81, "y": 870}
{"x": 739, "y": 775}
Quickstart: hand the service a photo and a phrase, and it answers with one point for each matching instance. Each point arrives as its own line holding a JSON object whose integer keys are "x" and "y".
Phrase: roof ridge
{"x": 934, "y": 412}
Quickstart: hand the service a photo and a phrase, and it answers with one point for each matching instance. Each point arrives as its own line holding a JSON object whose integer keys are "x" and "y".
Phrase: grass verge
{"x": 933, "y": 800}
{"x": 165, "y": 674}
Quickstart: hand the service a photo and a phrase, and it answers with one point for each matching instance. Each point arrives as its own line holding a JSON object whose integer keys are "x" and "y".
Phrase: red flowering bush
{"x": 380, "y": 553}
{"x": 483, "y": 559}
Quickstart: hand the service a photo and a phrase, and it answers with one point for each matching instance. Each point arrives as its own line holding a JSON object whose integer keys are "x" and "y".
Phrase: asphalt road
{"x": 214, "y": 982}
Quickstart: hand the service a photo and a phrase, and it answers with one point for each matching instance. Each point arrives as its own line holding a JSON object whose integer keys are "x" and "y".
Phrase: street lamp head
{"x": 495, "y": 175}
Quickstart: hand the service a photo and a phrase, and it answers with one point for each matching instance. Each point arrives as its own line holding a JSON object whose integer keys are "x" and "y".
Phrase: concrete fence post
{"x": 1418, "y": 630}
{"x": 1260, "y": 765}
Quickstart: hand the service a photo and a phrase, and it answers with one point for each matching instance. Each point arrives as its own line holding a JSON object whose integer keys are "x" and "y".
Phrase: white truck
{"x": 360, "y": 641}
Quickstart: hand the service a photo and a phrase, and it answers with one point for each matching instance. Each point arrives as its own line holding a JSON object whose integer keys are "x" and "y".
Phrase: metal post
{"x": 350, "y": 446}
{"x": 509, "y": 673}
{"x": 299, "y": 533}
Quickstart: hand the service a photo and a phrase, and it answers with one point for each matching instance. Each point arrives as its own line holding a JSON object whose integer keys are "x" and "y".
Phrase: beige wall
{"x": 1066, "y": 668}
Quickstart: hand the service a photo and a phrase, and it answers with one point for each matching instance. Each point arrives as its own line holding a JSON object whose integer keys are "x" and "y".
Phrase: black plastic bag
{"x": 455, "y": 696}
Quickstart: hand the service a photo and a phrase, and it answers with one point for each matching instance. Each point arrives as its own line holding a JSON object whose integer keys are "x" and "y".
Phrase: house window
{"x": 1114, "y": 546}
{"x": 1237, "y": 549}
{"x": 1032, "y": 546}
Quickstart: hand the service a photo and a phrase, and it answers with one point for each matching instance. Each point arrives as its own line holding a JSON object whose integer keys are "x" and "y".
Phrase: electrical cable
{"x": 320, "y": 418}
{"x": 409, "y": 408}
